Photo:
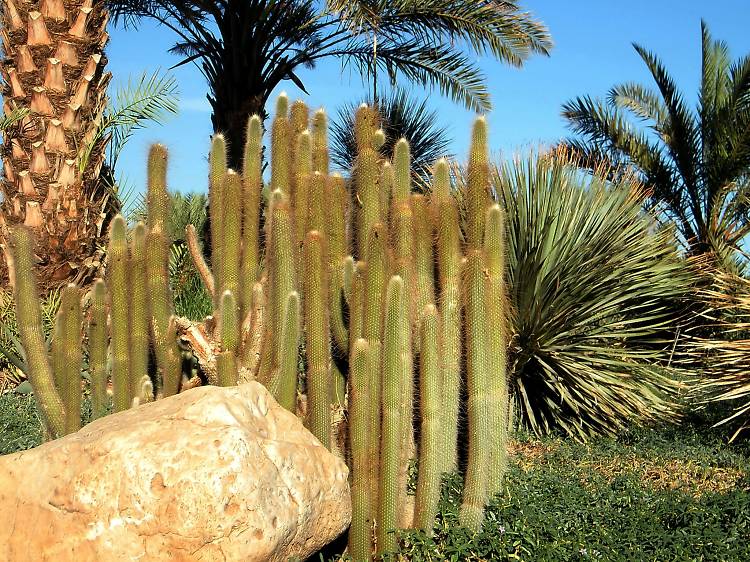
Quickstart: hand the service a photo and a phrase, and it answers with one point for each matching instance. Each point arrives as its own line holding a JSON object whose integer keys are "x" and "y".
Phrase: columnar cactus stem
{"x": 217, "y": 169}
{"x": 366, "y": 176}
{"x": 281, "y": 147}
{"x": 160, "y": 311}
{"x": 283, "y": 385}
{"x": 232, "y": 232}
{"x": 157, "y": 198}
{"x": 316, "y": 219}
{"x": 302, "y": 173}
{"x": 320, "y": 142}
{"x": 360, "y": 533}
{"x": 424, "y": 261}
{"x": 449, "y": 282}
{"x": 394, "y": 369}
{"x": 230, "y": 329}
{"x": 98, "y": 343}
{"x": 139, "y": 317}
{"x": 431, "y": 408}
{"x": 252, "y": 185}
{"x": 476, "y": 490}
{"x": 119, "y": 295}
{"x": 387, "y": 179}
{"x": 196, "y": 253}
{"x": 494, "y": 237}
{"x": 401, "y": 171}
{"x": 29, "y": 315}
{"x": 69, "y": 345}
{"x": 477, "y": 184}
{"x": 317, "y": 338}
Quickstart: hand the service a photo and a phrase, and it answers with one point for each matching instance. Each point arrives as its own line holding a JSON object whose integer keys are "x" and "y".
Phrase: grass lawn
{"x": 676, "y": 493}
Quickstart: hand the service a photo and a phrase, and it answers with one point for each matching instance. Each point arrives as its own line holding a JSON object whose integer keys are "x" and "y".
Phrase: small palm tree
{"x": 245, "y": 48}
{"x": 696, "y": 164}
{"x": 401, "y": 117}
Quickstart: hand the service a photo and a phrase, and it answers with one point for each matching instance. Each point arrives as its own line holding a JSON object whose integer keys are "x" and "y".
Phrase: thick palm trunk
{"x": 231, "y": 110}
{"x": 54, "y": 67}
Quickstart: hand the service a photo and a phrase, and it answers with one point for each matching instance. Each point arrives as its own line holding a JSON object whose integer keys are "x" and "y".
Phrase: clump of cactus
{"x": 395, "y": 304}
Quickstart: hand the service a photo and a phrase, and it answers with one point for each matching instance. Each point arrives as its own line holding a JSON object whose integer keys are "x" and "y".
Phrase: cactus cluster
{"x": 388, "y": 299}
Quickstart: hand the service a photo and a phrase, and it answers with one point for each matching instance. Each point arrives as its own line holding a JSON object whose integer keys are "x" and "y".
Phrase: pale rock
{"x": 211, "y": 474}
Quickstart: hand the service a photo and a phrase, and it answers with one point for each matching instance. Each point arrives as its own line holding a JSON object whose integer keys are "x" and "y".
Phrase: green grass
{"x": 20, "y": 426}
{"x": 672, "y": 494}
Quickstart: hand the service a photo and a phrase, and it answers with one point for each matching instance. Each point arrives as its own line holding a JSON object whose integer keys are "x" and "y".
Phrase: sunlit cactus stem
{"x": 476, "y": 490}
{"x": 157, "y": 198}
{"x": 29, "y": 317}
{"x": 98, "y": 344}
{"x": 69, "y": 348}
{"x": 477, "y": 183}
{"x": 119, "y": 305}
{"x": 139, "y": 316}
{"x": 360, "y": 533}
{"x": 497, "y": 307}
{"x": 320, "y": 142}
{"x": 317, "y": 337}
{"x": 232, "y": 232}
{"x": 393, "y": 369}
{"x": 281, "y": 147}
{"x": 217, "y": 169}
{"x": 431, "y": 409}
{"x": 283, "y": 384}
{"x": 252, "y": 185}
{"x": 449, "y": 255}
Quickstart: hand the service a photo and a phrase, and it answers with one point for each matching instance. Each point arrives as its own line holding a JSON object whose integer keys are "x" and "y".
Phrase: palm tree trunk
{"x": 52, "y": 158}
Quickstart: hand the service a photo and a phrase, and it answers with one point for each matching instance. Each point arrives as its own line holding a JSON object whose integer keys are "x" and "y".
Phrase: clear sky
{"x": 592, "y": 52}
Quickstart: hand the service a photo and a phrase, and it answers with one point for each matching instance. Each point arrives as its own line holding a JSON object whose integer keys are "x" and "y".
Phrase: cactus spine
{"x": 217, "y": 169}
{"x": 477, "y": 183}
{"x": 29, "y": 314}
{"x": 360, "y": 534}
{"x": 281, "y": 139}
{"x": 98, "y": 342}
{"x": 320, "y": 142}
{"x": 231, "y": 237}
{"x": 285, "y": 380}
{"x": 431, "y": 404}
{"x": 118, "y": 306}
{"x": 157, "y": 198}
{"x": 226, "y": 362}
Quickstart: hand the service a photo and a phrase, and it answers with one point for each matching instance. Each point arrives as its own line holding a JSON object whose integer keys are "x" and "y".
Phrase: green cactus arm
{"x": 360, "y": 533}
{"x": 29, "y": 315}
{"x": 302, "y": 174}
{"x": 316, "y": 219}
{"x": 252, "y": 185}
{"x": 281, "y": 147}
{"x": 393, "y": 368}
{"x": 157, "y": 198}
{"x": 477, "y": 183}
{"x": 119, "y": 295}
{"x": 70, "y": 390}
{"x": 252, "y": 336}
{"x": 139, "y": 315}
{"x": 98, "y": 344}
{"x": 229, "y": 322}
{"x": 320, "y": 142}
{"x": 386, "y": 181}
{"x": 497, "y": 307}
{"x": 232, "y": 232}
{"x": 424, "y": 260}
{"x": 476, "y": 489}
{"x": 431, "y": 408}
{"x": 217, "y": 169}
{"x": 283, "y": 383}
{"x": 226, "y": 368}
{"x": 196, "y": 253}
{"x": 401, "y": 171}
{"x": 441, "y": 181}
{"x": 317, "y": 337}
{"x": 299, "y": 116}
{"x": 449, "y": 255}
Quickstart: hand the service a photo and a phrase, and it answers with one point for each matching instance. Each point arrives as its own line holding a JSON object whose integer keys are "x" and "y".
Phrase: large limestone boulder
{"x": 211, "y": 474}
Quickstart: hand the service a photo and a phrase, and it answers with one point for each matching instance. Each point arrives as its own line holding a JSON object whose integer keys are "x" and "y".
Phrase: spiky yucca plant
{"x": 590, "y": 276}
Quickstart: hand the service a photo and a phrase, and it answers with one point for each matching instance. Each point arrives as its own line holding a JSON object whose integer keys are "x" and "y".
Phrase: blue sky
{"x": 592, "y": 52}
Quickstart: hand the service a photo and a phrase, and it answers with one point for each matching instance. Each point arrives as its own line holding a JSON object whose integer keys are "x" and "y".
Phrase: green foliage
{"x": 694, "y": 162}
{"x": 595, "y": 287}
{"x": 649, "y": 495}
